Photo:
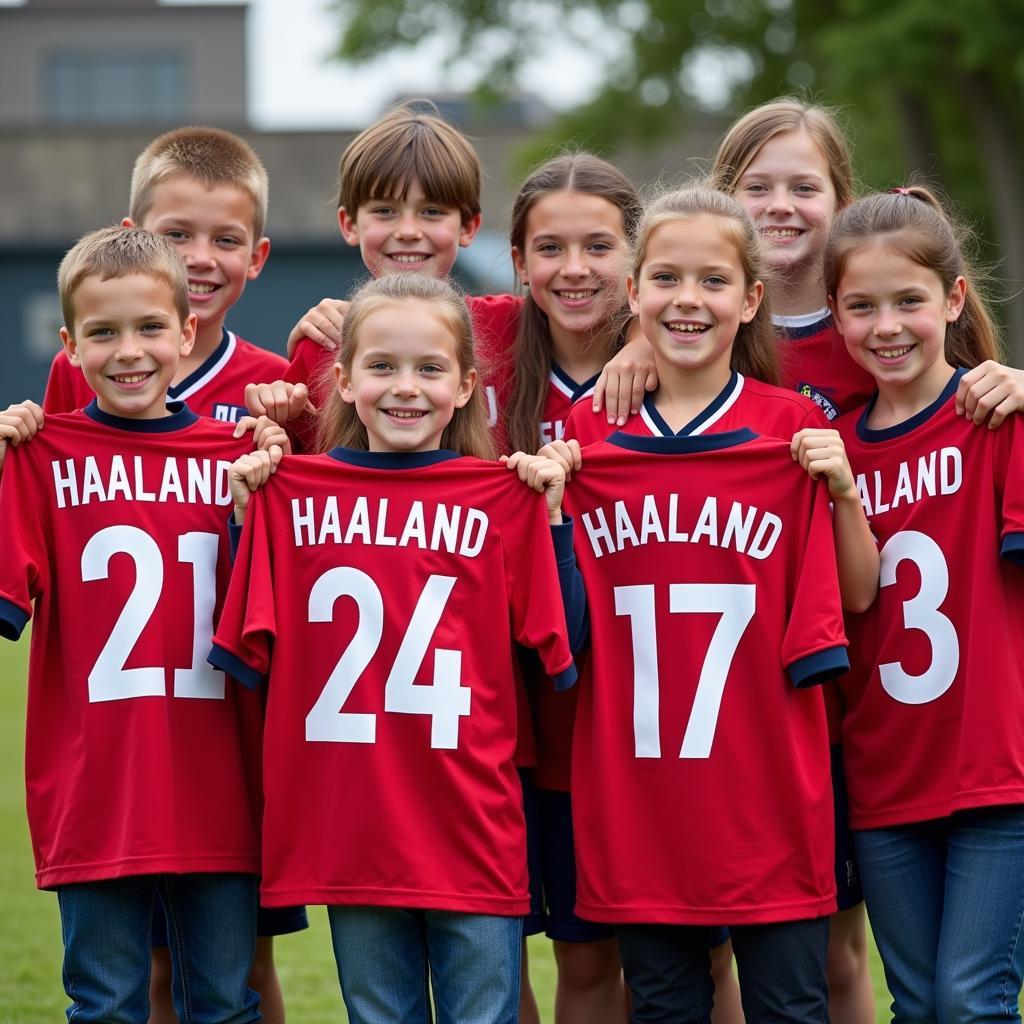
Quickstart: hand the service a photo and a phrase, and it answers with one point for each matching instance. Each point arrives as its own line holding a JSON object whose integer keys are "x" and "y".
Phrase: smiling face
{"x": 414, "y": 233}
{"x": 572, "y": 260}
{"x": 788, "y": 191}
{"x": 128, "y": 337}
{"x": 893, "y": 314}
{"x": 691, "y": 295}
{"x": 405, "y": 380}
{"x": 212, "y": 228}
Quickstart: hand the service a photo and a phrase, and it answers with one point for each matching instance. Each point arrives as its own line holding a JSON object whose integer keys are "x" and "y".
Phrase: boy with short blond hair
{"x": 142, "y": 784}
{"x": 205, "y": 190}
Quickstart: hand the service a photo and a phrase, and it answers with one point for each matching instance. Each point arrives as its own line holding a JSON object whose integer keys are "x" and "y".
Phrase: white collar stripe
{"x": 212, "y": 372}
{"x": 727, "y": 404}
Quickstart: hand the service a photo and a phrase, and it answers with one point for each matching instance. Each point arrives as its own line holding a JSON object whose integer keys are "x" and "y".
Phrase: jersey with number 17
{"x": 382, "y": 593}
{"x": 700, "y": 784}
{"x": 140, "y": 759}
{"x": 935, "y": 701}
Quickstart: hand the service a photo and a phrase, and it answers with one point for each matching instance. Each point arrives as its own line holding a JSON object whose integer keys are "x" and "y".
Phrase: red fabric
{"x": 119, "y": 784}
{"x": 398, "y": 819}
{"x": 945, "y": 732}
{"x": 738, "y": 831}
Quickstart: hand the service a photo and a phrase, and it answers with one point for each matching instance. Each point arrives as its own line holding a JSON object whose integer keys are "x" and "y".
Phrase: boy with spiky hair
{"x": 204, "y": 190}
{"x": 142, "y": 766}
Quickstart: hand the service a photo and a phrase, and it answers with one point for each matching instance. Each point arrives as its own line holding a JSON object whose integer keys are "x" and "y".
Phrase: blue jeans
{"x": 212, "y": 930}
{"x": 946, "y": 902}
{"x": 386, "y": 955}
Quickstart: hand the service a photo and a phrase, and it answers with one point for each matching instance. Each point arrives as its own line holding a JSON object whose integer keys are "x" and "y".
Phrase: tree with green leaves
{"x": 930, "y": 91}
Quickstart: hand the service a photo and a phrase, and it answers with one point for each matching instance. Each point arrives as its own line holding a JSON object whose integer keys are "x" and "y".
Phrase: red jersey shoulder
{"x": 814, "y": 362}
{"x": 495, "y": 321}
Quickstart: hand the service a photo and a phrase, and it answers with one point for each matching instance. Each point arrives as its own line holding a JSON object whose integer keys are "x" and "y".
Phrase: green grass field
{"x": 30, "y": 946}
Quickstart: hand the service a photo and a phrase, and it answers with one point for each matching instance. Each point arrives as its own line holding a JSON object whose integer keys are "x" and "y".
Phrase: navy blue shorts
{"x": 269, "y": 921}
{"x": 551, "y": 857}
{"x": 848, "y": 888}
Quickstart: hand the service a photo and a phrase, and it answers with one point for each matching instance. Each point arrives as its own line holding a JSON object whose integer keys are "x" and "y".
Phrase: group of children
{"x": 326, "y": 650}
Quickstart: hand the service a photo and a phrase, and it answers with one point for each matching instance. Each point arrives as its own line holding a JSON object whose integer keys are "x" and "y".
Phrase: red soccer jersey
{"x": 215, "y": 389}
{"x": 935, "y": 704}
{"x": 814, "y": 361}
{"x": 391, "y": 716}
{"x": 743, "y": 402}
{"x": 701, "y": 784}
{"x": 495, "y": 322}
{"x": 139, "y": 758}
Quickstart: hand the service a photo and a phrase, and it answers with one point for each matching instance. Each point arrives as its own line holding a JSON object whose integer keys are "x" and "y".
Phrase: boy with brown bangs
{"x": 409, "y": 197}
{"x": 142, "y": 767}
{"x": 205, "y": 190}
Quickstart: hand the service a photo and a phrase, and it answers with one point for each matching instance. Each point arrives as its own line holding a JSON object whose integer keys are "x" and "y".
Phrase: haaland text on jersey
{"x": 938, "y": 472}
{"x": 435, "y": 527}
{"x": 135, "y": 478}
{"x": 746, "y": 528}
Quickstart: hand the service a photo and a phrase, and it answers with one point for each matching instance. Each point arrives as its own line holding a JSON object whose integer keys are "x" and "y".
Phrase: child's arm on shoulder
{"x": 626, "y": 376}
{"x": 321, "y": 324}
{"x": 18, "y": 423}
{"x": 822, "y": 453}
{"x": 990, "y": 392}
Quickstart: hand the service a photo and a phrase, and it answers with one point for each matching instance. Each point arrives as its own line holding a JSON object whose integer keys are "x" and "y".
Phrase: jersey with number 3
{"x": 382, "y": 594}
{"x": 701, "y": 787}
{"x": 935, "y": 704}
{"x": 139, "y": 758}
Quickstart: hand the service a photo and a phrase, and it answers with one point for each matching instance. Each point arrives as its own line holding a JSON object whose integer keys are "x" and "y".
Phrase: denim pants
{"x": 781, "y": 969}
{"x": 106, "y": 927}
{"x": 387, "y": 955}
{"x": 946, "y": 902}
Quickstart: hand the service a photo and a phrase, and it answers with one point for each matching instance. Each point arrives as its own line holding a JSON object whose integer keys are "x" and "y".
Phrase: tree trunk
{"x": 1000, "y": 158}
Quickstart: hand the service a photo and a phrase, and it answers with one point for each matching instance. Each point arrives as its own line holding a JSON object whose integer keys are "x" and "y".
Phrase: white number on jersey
{"x": 444, "y": 701}
{"x": 921, "y": 612}
{"x": 108, "y": 678}
{"x": 736, "y": 603}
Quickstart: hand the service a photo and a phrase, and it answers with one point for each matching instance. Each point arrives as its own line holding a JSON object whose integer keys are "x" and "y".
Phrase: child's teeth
{"x": 408, "y": 257}
{"x": 200, "y": 289}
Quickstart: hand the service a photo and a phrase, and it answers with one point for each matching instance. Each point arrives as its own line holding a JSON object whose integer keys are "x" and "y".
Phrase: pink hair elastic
{"x": 900, "y": 191}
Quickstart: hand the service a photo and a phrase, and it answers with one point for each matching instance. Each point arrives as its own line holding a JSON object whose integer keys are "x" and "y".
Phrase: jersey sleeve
{"x": 61, "y": 393}
{"x": 248, "y": 622}
{"x": 310, "y": 365}
{"x": 1009, "y": 472}
{"x": 814, "y": 645}
{"x": 532, "y": 584}
{"x": 23, "y": 551}
{"x": 586, "y": 426}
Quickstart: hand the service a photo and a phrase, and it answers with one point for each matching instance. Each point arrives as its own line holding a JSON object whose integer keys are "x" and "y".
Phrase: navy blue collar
{"x": 800, "y": 333}
{"x": 865, "y": 433}
{"x": 392, "y": 460}
{"x": 178, "y": 415}
{"x": 680, "y": 444}
{"x": 210, "y": 363}
{"x": 708, "y": 415}
{"x": 575, "y": 389}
